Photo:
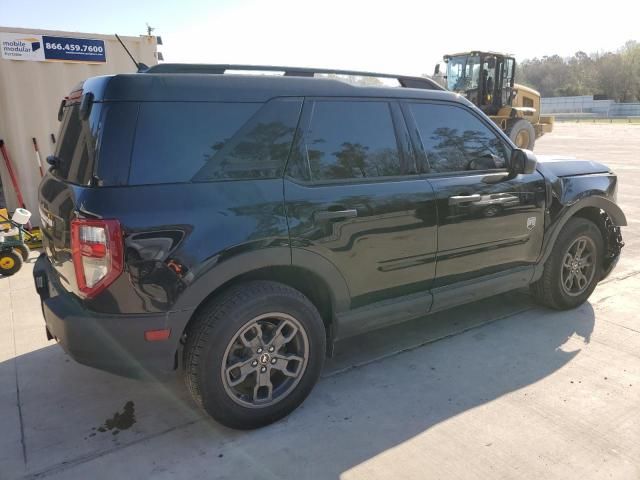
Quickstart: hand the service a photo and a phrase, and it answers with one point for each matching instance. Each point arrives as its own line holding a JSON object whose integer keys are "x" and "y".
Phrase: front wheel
{"x": 254, "y": 354}
{"x": 574, "y": 267}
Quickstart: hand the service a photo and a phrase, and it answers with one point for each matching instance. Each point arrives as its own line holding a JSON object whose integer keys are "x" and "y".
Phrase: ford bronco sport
{"x": 236, "y": 226}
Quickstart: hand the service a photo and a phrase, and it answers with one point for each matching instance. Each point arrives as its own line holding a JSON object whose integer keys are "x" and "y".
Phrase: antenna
{"x": 150, "y": 29}
{"x": 139, "y": 65}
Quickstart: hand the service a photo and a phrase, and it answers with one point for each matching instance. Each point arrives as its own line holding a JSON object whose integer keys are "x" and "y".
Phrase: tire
{"x": 549, "y": 289}
{"x": 23, "y": 250}
{"x": 224, "y": 334}
{"x": 10, "y": 262}
{"x": 522, "y": 134}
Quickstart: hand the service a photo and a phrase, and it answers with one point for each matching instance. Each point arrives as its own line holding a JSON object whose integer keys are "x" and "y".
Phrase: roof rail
{"x": 404, "y": 80}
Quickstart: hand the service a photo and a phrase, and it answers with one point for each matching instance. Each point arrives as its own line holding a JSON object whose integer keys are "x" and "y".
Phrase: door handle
{"x": 458, "y": 199}
{"x": 336, "y": 214}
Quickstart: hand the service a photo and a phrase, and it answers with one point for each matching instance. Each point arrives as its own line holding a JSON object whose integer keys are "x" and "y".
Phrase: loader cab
{"x": 484, "y": 78}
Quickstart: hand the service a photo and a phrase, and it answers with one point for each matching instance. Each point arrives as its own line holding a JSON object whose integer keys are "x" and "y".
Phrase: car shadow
{"x": 379, "y": 391}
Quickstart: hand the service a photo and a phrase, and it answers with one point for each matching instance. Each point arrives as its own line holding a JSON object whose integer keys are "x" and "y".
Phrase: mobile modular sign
{"x": 46, "y": 48}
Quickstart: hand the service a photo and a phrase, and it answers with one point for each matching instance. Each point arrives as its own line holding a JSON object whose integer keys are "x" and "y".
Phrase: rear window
{"x": 77, "y": 144}
{"x": 179, "y": 142}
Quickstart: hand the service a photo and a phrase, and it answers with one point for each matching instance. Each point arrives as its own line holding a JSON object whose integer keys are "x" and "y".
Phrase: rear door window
{"x": 197, "y": 142}
{"x": 352, "y": 140}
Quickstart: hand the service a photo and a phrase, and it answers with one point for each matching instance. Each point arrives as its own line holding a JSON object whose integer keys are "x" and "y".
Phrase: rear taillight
{"x": 97, "y": 252}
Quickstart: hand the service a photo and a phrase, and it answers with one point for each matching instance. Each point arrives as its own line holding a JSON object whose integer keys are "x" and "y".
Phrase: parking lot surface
{"x": 501, "y": 388}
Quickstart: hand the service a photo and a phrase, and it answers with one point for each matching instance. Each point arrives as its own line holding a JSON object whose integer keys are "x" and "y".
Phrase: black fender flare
{"x": 218, "y": 274}
{"x": 328, "y": 272}
{"x": 609, "y": 207}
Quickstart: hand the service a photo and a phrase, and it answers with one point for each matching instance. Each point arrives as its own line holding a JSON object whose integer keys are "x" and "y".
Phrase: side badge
{"x": 531, "y": 222}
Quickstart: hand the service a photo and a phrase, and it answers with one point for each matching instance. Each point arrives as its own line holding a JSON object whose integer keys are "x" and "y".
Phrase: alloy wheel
{"x": 578, "y": 266}
{"x": 265, "y": 360}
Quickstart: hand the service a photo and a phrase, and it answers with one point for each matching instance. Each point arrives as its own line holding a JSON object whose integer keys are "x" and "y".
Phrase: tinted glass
{"x": 352, "y": 140}
{"x": 116, "y": 141}
{"x": 76, "y": 147}
{"x": 184, "y": 142}
{"x": 455, "y": 140}
{"x": 259, "y": 149}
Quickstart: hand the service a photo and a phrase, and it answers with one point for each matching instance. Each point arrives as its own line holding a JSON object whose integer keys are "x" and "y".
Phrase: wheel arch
{"x": 597, "y": 209}
{"x": 312, "y": 275}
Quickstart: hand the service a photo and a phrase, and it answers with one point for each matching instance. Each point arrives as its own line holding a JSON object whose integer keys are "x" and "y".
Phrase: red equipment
{"x": 14, "y": 180}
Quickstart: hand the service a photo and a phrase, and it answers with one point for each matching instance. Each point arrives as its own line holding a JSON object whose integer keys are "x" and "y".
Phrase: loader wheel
{"x": 10, "y": 263}
{"x": 522, "y": 134}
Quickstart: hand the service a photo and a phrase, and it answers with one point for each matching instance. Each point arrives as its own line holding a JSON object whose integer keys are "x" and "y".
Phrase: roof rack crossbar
{"x": 219, "y": 69}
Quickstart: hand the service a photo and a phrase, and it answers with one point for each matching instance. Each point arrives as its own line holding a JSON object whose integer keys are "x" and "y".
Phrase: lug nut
{"x": 271, "y": 349}
{"x": 263, "y": 369}
{"x": 259, "y": 350}
{"x": 254, "y": 363}
{"x": 273, "y": 360}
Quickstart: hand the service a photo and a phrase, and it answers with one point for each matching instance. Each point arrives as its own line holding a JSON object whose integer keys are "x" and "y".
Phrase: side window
{"x": 257, "y": 150}
{"x": 198, "y": 142}
{"x": 455, "y": 140}
{"x": 77, "y": 144}
{"x": 350, "y": 140}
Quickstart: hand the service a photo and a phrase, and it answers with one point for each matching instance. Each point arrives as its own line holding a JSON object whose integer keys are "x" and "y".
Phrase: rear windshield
{"x": 77, "y": 145}
{"x": 179, "y": 142}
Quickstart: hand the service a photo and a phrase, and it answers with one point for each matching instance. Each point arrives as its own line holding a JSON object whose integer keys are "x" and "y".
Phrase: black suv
{"x": 236, "y": 226}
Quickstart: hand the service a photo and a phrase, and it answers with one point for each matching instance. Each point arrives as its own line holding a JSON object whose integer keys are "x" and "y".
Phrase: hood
{"x": 562, "y": 166}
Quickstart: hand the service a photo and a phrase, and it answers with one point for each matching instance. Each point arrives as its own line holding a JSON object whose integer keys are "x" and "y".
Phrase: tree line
{"x": 611, "y": 75}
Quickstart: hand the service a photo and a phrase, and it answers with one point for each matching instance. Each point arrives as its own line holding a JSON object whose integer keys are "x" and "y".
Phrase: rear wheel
{"x": 24, "y": 251}
{"x": 522, "y": 134}
{"x": 10, "y": 262}
{"x": 574, "y": 267}
{"x": 254, "y": 354}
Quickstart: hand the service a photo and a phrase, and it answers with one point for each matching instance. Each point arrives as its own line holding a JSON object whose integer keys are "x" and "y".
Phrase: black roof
{"x": 181, "y": 85}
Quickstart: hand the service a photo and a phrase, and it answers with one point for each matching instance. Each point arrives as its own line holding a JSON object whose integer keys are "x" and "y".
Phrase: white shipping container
{"x": 32, "y": 87}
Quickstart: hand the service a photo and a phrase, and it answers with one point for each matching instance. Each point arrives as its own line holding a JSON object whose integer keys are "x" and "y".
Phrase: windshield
{"x": 463, "y": 73}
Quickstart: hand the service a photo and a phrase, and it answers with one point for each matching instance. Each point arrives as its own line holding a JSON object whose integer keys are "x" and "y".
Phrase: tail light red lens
{"x": 97, "y": 253}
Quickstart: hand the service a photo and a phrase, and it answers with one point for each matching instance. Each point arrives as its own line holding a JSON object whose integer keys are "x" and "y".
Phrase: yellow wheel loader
{"x": 487, "y": 80}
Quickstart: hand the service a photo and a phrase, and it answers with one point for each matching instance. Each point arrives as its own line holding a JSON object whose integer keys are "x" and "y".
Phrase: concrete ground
{"x": 498, "y": 389}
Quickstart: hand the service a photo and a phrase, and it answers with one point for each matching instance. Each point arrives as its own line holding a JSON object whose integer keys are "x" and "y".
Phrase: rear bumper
{"x": 114, "y": 343}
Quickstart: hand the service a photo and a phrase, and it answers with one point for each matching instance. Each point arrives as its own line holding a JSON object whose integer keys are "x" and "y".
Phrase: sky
{"x": 398, "y": 36}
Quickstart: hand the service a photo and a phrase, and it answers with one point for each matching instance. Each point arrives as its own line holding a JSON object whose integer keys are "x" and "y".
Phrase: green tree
{"x": 615, "y": 75}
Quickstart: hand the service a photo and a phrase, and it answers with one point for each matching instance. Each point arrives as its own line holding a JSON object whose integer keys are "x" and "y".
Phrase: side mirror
{"x": 436, "y": 70}
{"x": 53, "y": 161}
{"x": 522, "y": 162}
